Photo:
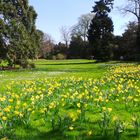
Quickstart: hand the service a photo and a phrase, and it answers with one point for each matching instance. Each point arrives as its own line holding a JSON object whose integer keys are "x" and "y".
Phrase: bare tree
{"x": 81, "y": 28}
{"x": 47, "y": 46}
{"x": 65, "y": 33}
{"x": 133, "y": 7}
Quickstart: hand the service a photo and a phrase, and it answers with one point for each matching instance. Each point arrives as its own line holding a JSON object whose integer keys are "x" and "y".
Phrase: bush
{"x": 24, "y": 64}
{"x": 60, "y": 56}
{"x": 54, "y": 57}
{"x": 31, "y": 65}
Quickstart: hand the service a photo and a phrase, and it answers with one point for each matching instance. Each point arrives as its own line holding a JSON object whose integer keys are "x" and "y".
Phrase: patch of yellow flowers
{"x": 121, "y": 86}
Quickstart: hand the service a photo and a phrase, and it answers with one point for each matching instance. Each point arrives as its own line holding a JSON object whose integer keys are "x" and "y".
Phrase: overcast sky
{"x": 53, "y": 14}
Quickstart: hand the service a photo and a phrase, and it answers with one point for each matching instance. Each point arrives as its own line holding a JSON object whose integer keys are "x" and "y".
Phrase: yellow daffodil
{"x": 71, "y": 128}
{"x": 4, "y": 118}
{"x": 78, "y": 105}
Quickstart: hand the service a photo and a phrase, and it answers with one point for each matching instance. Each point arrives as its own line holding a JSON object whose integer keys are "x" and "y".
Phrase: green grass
{"x": 87, "y": 69}
{"x": 56, "y": 68}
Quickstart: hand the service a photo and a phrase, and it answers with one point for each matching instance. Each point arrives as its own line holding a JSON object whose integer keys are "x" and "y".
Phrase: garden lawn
{"x": 55, "y": 68}
{"x": 71, "y": 99}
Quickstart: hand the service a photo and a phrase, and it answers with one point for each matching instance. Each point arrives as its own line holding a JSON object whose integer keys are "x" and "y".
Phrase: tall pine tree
{"x": 100, "y": 30}
{"x": 19, "y": 39}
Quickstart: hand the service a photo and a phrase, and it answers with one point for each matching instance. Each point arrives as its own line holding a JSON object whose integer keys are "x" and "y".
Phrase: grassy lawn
{"x": 72, "y": 100}
{"x": 58, "y": 68}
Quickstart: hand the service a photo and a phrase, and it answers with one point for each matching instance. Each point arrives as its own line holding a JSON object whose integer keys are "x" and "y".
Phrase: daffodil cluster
{"x": 73, "y": 103}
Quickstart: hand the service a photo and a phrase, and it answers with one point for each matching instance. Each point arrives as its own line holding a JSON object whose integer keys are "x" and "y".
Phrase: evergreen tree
{"x": 100, "y": 30}
{"x": 129, "y": 42}
{"x": 19, "y": 39}
{"x": 77, "y": 48}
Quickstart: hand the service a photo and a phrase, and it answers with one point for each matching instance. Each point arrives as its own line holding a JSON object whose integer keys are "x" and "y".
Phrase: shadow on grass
{"x": 34, "y": 134}
{"x": 84, "y": 63}
{"x": 67, "y": 63}
{"x": 57, "y": 135}
{"x": 101, "y": 65}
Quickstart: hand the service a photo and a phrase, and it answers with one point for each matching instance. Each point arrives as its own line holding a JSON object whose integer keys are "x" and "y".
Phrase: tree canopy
{"x": 81, "y": 28}
{"x": 100, "y": 30}
{"x": 19, "y": 38}
{"x": 133, "y": 7}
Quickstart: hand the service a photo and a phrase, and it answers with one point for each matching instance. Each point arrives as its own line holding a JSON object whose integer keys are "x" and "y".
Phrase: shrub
{"x": 60, "y": 56}
{"x": 24, "y": 64}
{"x": 54, "y": 57}
{"x": 31, "y": 65}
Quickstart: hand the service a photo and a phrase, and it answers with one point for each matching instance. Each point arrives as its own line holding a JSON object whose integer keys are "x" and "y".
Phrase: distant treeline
{"x": 120, "y": 48}
{"x": 91, "y": 38}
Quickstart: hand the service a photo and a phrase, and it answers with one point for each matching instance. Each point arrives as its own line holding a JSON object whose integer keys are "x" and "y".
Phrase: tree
{"x": 100, "y": 30}
{"x": 60, "y": 51}
{"x": 46, "y": 47}
{"x": 81, "y": 28}
{"x": 118, "y": 48}
{"x": 133, "y": 7}
{"x": 60, "y": 48}
{"x": 19, "y": 39}
{"x": 65, "y": 32}
{"x": 129, "y": 39}
{"x": 77, "y": 48}
{"x": 124, "y": 46}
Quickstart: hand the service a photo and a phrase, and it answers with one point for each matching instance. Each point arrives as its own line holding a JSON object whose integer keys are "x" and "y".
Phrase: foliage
{"x": 138, "y": 41}
{"x": 100, "y": 31}
{"x": 19, "y": 39}
{"x": 133, "y": 7}
{"x": 77, "y": 48}
{"x": 47, "y": 47}
{"x": 129, "y": 39}
{"x": 118, "y": 49}
{"x": 60, "y": 48}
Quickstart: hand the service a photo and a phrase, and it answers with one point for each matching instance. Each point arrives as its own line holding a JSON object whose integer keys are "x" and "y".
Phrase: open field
{"x": 71, "y": 99}
{"x": 51, "y": 69}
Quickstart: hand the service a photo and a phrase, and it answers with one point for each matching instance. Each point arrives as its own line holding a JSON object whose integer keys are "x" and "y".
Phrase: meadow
{"x": 71, "y": 99}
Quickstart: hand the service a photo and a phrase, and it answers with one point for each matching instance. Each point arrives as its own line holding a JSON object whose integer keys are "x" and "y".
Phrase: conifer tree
{"x": 19, "y": 39}
{"x": 100, "y": 30}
